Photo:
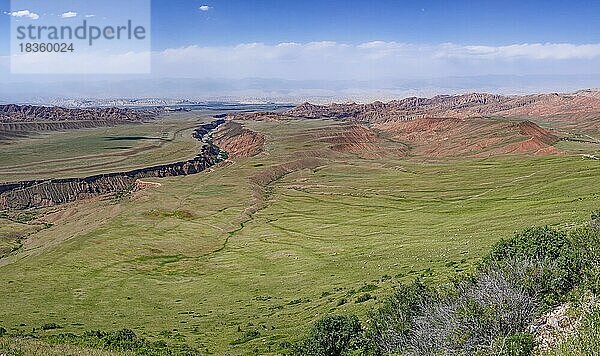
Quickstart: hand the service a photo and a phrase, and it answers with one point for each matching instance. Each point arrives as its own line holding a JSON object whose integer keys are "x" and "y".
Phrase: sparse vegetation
{"x": 489, "y": 311}
{"x": 51, "y": 326}
{"x": 586, "y": 341}
{"x": 317, "y": 236}
{"x": 122, "y": 341}
{"x": 332, "y": 336}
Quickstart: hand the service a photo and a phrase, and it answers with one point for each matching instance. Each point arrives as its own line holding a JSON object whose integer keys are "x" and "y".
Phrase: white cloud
{"x": 90, "y": 15}
{"x": 535, "y": 51}
{"x": 377, "y": 59}
{"x": 204, "y": 8}
{"x": 326, "y": 60}
{"x": 24, "y": 13}
{"x": 69, "y": 14}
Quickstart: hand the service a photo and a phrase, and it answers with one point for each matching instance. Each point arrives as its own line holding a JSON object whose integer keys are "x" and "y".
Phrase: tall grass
{"x": 488, "y": 312}
{"x": 18, "y": 346}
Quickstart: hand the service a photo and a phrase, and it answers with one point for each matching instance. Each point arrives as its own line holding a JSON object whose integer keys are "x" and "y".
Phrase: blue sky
{"x": 468, "y": 22}
{"x": 227, "y": 22}
{"x": 327, "y": 39}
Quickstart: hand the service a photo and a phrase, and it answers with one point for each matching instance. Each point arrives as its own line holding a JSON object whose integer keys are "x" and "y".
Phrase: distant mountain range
{"x": 26, "y": 113}
{"x": 583, "y": 105}
{"x": 260, "y": 90}
{"x": 473, "y": 124}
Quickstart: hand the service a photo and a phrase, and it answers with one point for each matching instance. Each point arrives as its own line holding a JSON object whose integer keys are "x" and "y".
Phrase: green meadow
{"x": 87, "y": 152}
{"x": 231, "y": 263}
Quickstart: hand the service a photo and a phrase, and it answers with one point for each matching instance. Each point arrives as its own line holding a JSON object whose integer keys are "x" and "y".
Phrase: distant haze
{"x": 319, "y": 51}
{"x": 291, "y": 91}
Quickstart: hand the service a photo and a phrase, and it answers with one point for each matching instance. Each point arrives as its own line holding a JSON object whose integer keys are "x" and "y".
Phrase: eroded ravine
{"x": 51, "y": 192}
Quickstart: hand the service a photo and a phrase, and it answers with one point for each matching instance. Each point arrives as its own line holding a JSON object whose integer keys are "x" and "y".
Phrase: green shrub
{"x": 2, "y": 331}
{"x": 521, "y": 344}
{"x": 367, "y": 288}
{"x": 537, "y": 242}
{"x": 332, "y": 336}
{"x": 124, "y": 340}
{"x": 587, "y": 245}
{"x": 247, "y": 336}
{"x": 390, "y": 325}
{"x": 364, "y": 297}
{"x": 554, "y": 262}
{"x": 51, "y": 326}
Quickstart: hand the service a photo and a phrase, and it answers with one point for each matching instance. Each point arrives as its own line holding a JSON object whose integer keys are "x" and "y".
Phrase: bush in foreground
{"x": 483, "y": 314}
{"x": 473, "y": 317}
{"x": 554, "y": 265}
{"x": 390, "y": 325}
{"x": 124, "y": 340}
{"x": 332, "y": 336}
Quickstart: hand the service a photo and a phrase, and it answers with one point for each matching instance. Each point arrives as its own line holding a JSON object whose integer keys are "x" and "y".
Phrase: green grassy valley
{"x": 243, "y": 258}
{"x": 67, "y": 154}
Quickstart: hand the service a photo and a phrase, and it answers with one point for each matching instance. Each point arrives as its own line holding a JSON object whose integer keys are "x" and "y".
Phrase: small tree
{"x": 390, "y": 324}
{"x": 555, "y": 266}
{"x": 587, "y": 243}
{"x": 332, "y": 336}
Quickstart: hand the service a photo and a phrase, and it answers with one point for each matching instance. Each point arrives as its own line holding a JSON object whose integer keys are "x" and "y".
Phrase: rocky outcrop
{"x": 21, "y": 129}
{"x": 18, "y": 121}
{"x": 459, "y": 125}
{"x": 29, "y": 113}
{"x": 583, "y": 105}
{"x": 44, "y": 193}
{"x": 553, "y": 327}
{"x": 238, "y": 141}
{"x": 471, "y": 137}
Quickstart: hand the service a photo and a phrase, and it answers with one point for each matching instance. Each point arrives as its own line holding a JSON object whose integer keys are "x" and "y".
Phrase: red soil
{"x": 238, "y": 141}
{"x": 471, "y": 137}
{"x": 355, "y": 139}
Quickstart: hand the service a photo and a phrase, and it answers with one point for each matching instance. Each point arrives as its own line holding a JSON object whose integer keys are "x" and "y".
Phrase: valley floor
{"x": 244, "y": 257}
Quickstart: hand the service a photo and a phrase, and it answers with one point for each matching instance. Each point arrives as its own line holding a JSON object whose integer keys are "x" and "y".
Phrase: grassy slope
{"x": 175, "y": 261}
{"x": 27, "y": 347}
{"x": 91, "y": 151}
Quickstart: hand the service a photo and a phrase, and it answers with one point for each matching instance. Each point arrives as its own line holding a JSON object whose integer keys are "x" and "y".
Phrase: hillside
{"x": 26, "y": 113}
{"x": 480, "y": 137}
{"x": 231, "y": 260}
{"x": 21, "y": 121}
{"x": 476, "y": 124}
{"x": 302, "y": 219}
{"x": 562, "y": 108}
